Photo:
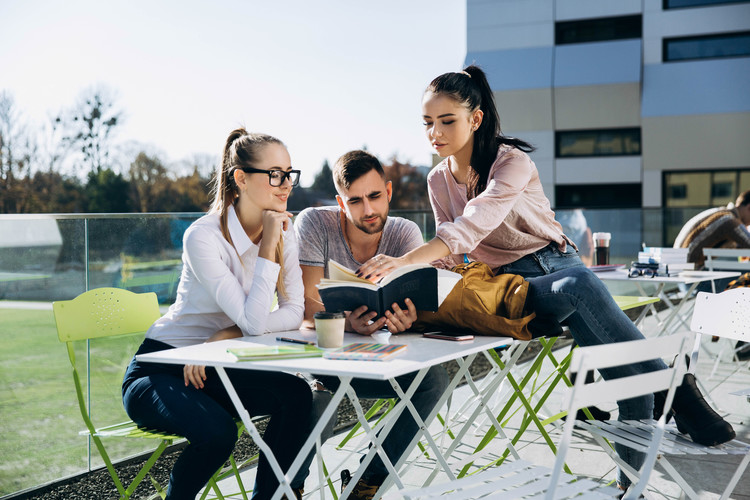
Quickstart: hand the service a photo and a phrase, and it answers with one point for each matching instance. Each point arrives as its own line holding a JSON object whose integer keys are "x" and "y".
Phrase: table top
{"x": 626, "y": 302}
{"x": 687, "y": 277}
{"x": 420, "y": 353}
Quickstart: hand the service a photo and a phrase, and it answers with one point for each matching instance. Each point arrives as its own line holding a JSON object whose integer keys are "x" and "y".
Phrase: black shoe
{"x": 595, "y": 412}
{"x": 744, "y": 354}
{"x": 694, "y": 416}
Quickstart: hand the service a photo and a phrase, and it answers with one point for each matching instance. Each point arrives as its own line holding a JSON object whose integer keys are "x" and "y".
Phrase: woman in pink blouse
{"x": 489, "y": 206}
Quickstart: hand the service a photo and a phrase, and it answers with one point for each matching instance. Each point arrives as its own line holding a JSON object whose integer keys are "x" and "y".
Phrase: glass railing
{"x": 44, "y": 258}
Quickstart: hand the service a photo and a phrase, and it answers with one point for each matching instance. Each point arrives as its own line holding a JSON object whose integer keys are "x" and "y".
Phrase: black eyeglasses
{"x": 275, "y": 177}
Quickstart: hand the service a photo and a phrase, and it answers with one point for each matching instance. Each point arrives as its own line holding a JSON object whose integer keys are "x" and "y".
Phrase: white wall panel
{"x": 600, "y": 170}
{"x": 517, "y": 36}
{"x": 583, "y": 9}
{"x": 651, "y": 188}
{"x": 508, "y": 12}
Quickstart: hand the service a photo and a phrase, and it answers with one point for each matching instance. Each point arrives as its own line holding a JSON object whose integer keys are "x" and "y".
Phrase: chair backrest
{"x": 585, "y": 359}
{"x": 104, "y": 312}
{"x": 726, "y": 259}
{"x": 725, "y": 314}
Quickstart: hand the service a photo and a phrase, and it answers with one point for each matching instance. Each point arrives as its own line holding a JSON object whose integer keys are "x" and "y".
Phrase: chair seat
{"x": 514, "y": 480}
{"x": 130, "y": 429}
{"x": 636, "y": 433}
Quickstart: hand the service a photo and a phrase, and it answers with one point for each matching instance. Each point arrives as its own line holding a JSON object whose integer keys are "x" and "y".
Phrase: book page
{"x": 446, "y": 281}
{"x": 339, "y": 272}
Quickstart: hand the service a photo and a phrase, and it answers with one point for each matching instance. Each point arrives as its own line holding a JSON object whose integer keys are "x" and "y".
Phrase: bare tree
{"x": 89, "y": 126}
{"x": 15, "y": 156}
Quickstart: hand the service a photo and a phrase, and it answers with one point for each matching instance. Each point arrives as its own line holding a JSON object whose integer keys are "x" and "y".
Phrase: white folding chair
{"x": 520, "y": 479}
{"x": 726, "y": 314}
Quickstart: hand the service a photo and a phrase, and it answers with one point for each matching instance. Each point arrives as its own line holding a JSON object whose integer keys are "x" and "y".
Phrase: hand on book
{"x": 400, "y": 320}
{"x": 396, "y": 320}
{"x": 379, "y": 266}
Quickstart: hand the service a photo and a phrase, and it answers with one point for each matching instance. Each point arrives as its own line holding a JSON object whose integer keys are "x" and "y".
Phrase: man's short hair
{"x": 353, "y": 165}
{"x": 743, "y": 199}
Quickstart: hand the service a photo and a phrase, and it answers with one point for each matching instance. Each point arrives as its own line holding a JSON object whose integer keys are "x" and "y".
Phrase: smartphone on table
{"x": 445, "y": 336}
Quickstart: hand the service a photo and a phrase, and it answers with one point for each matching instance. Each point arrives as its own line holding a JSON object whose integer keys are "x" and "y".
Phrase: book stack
{"x": 671, "y": 261}
{"x": 365, "y": 351}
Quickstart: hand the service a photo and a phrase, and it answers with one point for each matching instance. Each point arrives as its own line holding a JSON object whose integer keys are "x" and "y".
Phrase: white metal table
{"x": 421, "y": 354}
{"x": 690, "y": 279}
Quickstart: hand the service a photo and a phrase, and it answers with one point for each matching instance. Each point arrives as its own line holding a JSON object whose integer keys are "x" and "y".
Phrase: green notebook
{"x": 259, "y": 353}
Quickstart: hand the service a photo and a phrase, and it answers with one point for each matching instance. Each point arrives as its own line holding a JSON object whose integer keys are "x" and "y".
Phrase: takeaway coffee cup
{"x": 329, "y": 327}
{"x": 601, "y": 248}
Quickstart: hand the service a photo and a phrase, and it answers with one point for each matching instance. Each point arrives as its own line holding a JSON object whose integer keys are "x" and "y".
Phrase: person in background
{"x": 351, "y": 233}
{"x": 234, "y": 258}
{"x": 721, "y": 227}
{"x": 576, "y": 227}
{"x": 489, "y": 206}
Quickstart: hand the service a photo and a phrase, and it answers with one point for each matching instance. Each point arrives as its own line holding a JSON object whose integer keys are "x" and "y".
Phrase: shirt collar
{"x": 242, "y": 243}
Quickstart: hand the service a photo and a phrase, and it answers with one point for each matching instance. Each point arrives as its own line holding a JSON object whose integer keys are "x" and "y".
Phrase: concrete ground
{"x": 706, "y": 474}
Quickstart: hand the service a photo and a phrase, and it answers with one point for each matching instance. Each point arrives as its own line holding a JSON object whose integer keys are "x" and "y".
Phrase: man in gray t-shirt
{"x": 351, "y": 233}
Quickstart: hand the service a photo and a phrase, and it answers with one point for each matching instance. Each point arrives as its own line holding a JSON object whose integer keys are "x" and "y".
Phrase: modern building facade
{"x": 631, "y": 103}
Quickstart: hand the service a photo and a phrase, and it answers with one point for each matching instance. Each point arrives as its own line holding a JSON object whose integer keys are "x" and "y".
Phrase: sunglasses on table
{"x": 648, "y": 272}
{"x": 275, "y": 177}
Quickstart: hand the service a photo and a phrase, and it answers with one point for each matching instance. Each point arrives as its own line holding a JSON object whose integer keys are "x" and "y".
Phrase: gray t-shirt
{"x": 320, "y": 238}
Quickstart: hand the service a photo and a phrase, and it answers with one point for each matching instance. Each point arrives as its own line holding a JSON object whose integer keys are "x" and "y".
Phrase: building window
{"x": 707, "y": 47}
{"x": 605, "y": 142}
{"x": 704, "y": 189}
{"x": 679, "y": 4}
{"x": 598, "y": 196}
{"x": 598, "y": 30}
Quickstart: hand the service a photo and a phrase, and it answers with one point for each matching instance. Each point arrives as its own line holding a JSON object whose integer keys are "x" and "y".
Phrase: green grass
{"x": 39, "y": 417}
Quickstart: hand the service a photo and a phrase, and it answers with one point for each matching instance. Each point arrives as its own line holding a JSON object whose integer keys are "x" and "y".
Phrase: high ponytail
{"x": 240, "y": 149}
{"x": 471, "y": 88}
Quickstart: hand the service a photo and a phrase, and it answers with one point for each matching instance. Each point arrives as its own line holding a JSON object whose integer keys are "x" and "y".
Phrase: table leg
{"x": 284, "y": 486}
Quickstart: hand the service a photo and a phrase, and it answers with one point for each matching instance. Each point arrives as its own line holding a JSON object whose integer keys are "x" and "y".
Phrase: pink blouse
{"x": 511, "y": 218}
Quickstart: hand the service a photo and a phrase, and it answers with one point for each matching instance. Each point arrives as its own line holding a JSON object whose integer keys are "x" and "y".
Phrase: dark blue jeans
{"x": 405, "y": 428}
{"x": 155, "y": 396}
{"x": 561, "y": 286}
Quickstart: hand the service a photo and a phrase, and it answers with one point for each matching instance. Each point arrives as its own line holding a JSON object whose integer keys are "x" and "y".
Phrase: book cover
{"x": 261, "y": 353}
{"x": 344, "y": 291}
{"x": 364, "y": 351}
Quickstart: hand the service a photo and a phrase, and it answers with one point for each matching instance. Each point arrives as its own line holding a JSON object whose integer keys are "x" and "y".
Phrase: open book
{"x": 344, "y": 291}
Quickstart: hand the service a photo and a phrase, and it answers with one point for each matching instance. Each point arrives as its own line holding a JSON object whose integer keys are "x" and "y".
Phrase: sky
{"x": 323, "y": 76}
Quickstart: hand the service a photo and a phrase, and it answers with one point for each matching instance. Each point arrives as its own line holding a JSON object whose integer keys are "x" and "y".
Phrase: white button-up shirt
{"x": 221, "y": 286}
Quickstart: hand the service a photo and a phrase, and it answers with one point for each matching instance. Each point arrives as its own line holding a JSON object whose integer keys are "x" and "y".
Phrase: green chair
{"x": 110, "y": 312}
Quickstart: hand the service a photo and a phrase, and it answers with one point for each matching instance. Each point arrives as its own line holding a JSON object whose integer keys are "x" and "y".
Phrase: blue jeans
{"x": 561, "y": 286}
{"x": 426, "y": 396}
{"x": 155, "y": 396}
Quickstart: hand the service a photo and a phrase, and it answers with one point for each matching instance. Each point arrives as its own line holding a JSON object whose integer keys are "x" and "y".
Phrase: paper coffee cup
{"x": 329, "y": 328}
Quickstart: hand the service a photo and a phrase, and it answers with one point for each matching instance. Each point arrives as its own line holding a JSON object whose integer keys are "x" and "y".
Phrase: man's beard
{"x": 370, "y": 229}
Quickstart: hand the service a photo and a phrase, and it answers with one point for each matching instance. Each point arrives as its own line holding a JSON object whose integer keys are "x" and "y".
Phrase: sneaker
{"x": 361, "y": 491}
